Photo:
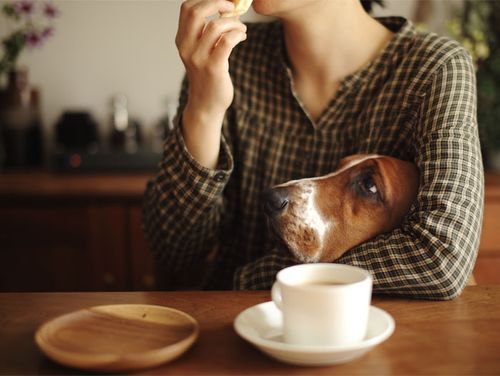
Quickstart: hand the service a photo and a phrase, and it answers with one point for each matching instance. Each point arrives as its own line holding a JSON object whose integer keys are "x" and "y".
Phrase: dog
{"x": 319, "y": 219}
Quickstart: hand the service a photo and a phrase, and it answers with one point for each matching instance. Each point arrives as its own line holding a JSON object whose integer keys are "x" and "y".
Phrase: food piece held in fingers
{"x": 240, "y": 8}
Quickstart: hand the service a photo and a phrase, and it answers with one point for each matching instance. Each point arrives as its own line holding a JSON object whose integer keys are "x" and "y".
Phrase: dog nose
{"x": 276, "y": 200}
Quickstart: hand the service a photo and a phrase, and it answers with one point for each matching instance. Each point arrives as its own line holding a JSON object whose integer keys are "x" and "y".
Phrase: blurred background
{"x": 87, "y": 92}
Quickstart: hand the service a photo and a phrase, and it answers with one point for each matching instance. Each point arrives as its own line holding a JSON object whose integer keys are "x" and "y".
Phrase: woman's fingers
{"x": 212, "y": 33}
{"x": 204, "y": 48}
{"x": 194, "y": 14}
{"x": 225, "y": 45}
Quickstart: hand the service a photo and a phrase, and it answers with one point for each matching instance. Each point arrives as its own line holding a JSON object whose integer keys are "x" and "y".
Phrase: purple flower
{"x": 47, "y": 32}
{"x": 50, "y": 10}
{"x": 25, "y": 7}
{"x": 33, "y": 39}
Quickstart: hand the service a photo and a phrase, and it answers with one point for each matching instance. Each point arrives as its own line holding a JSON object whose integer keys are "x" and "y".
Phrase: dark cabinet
{"x": 73, "y": 233}
{"x": 63, "y": 248}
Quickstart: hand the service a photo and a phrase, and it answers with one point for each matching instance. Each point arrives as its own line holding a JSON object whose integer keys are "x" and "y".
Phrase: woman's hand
{"x": 204, "y": 49}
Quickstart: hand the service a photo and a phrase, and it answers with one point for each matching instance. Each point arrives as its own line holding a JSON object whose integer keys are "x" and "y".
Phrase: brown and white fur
{"x": 319, "y": 219}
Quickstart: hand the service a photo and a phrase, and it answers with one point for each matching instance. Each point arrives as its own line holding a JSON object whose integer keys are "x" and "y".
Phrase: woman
{"x": 322, "y": 82}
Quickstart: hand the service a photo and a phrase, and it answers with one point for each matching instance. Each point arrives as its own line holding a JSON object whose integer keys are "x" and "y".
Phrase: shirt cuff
{"x": 195, "y": 171}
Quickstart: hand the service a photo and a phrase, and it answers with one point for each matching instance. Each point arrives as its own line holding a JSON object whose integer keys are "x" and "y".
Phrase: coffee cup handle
{"x": 276, "y": 295}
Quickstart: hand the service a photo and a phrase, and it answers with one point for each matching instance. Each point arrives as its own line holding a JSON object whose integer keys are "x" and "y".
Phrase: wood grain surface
{"x": 120, "y": 337}
{"x": 458, "y": 337}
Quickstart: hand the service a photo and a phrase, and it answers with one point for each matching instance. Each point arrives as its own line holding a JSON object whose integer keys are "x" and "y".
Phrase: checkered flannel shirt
{"x": 416, "y": 101}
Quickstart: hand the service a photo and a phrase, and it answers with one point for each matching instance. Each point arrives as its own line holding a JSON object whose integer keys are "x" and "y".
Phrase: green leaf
{"x": 10, "y": 11}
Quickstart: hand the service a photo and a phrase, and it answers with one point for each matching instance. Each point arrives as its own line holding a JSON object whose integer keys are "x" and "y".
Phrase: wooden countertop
{"x": 43, "y": 184}
{"x": 449, "y": 337}
{"x": 492, "y": 186}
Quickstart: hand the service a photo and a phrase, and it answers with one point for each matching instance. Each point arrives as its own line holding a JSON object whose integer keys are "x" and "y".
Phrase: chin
{"x": 271, "y": 7}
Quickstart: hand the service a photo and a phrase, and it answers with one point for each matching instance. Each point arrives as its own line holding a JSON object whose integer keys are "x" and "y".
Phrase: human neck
{"x": 327, "y": 43}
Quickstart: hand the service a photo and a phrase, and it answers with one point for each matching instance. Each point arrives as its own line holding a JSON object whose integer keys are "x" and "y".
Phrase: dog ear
{"x": 350, "y": 159}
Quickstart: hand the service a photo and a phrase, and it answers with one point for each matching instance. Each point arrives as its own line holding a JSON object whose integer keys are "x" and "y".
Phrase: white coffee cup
{"x": 323, "y": 304}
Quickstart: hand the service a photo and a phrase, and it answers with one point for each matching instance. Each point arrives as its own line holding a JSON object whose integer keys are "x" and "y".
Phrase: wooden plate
{"x": 117, "y": 337}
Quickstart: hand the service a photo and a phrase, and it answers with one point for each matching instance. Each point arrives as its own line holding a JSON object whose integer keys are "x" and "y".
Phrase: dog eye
{"x": 368, "y": 186}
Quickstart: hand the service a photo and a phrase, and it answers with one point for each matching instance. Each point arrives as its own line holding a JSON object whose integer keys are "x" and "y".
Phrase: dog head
{"x": 319, "y": 219}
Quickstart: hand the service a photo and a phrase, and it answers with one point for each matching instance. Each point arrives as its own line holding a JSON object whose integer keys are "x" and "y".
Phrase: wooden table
{"x": 459, "y": 337}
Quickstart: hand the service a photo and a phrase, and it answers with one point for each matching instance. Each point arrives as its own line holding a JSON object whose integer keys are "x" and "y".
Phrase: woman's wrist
{"x": 202, "y": 133}
{"x": 195, "y": 116}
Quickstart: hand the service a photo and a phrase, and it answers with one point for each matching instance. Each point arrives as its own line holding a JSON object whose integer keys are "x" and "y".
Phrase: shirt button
{"x": 219, "y": 177}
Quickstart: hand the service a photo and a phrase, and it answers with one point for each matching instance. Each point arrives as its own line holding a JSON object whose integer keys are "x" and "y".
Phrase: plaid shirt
{"x": 416, "y": 101}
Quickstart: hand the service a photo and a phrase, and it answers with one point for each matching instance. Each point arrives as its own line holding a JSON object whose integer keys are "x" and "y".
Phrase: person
{"x": 265, "y": 103}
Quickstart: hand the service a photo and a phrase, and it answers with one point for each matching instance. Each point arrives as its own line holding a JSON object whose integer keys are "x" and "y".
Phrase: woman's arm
{"x": 433, "y": 253}
{"x": 183, "y": 203}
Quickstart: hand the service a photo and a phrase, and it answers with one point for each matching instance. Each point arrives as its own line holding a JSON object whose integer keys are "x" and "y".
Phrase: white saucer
{"x": 262, "y": 324}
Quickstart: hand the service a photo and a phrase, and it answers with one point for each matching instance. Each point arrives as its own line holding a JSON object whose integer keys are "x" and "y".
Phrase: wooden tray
{"x": 117, "y": 337}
